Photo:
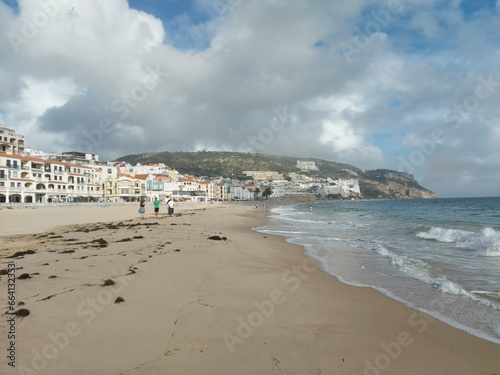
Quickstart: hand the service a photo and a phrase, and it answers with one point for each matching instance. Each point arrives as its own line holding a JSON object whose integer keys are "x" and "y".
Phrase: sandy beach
{"x": 100, "y": 291}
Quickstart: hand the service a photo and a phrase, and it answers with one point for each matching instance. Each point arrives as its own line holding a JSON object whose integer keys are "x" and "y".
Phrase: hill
{"x": 380, "y": 183}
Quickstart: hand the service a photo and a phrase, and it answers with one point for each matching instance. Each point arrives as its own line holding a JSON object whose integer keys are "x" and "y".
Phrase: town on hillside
{"x": 31, "y": 176}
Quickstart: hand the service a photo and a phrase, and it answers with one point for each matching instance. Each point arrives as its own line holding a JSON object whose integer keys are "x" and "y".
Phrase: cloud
{"x": 361, "y": 82}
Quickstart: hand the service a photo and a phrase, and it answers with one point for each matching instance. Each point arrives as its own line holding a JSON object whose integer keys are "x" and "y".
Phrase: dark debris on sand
{"x": 217, "y": 238}
{"x": 22, "y": 253}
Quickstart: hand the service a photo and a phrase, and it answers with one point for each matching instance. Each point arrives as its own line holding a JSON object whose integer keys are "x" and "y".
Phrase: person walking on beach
{"x": 170, "y": 206}
{"x": 142, "y": 208}
{"x": 156, "y": 204}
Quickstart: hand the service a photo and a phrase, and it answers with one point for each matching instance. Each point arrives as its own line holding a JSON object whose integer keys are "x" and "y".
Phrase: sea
{"x": 440, "y": 256}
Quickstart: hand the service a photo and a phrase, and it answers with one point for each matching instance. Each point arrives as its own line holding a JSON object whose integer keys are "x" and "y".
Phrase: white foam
{"x": 487, "y": 241}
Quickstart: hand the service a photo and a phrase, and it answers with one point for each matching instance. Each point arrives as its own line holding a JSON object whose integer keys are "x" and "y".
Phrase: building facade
{"x": 25, "y": 179}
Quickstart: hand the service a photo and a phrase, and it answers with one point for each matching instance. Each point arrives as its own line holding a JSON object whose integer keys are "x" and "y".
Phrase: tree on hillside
{"x": 267, "y": 192}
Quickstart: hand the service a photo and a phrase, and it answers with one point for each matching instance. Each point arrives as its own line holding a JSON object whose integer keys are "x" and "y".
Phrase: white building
{"x": 305, "y": 166}
{"x": 243, "y": 192}
{"x": 343, "y": 187}
{"x": 24, "y": 179}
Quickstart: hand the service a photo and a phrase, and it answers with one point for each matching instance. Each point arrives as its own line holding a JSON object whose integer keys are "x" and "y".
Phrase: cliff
{"x": 383, "y": 183}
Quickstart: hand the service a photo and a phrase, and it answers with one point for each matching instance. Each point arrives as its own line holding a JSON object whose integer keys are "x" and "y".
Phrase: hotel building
{"x": 27, "y": 179}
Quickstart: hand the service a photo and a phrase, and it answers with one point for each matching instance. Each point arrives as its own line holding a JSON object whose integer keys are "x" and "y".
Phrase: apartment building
{"x": 25, "y": 179}
{"x": 126, "y": 188}
{"x": 221, "y": 192}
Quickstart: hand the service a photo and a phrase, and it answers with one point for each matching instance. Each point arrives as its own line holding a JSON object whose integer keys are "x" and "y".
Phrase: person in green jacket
{"x": 156, "y": 204}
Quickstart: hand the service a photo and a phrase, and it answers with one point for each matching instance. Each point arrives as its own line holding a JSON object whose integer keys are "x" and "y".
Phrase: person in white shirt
{"x": 170, "y": 206}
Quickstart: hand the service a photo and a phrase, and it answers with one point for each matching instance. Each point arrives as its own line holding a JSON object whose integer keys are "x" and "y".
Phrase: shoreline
{"x": 252, "y": 303}
{"x": 449, "y": 320}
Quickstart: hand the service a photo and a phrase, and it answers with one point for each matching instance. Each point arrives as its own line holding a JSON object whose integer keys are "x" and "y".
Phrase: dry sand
{"x": 246, "y": 304}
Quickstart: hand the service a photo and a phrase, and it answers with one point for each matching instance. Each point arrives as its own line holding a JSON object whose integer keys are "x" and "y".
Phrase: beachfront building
{"x": 208, "y": 189}
{"x": 342, "y": 187}
{"x": 25, "y": 179}
{"x": 221, "y": 192}
{"x": 161, "y": 186}
{"x": 126, "y": 188}
{"x": 244, "y": 192}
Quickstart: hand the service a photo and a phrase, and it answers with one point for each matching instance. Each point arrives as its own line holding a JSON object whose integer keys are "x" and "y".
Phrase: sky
{"x": 408, "y": 85}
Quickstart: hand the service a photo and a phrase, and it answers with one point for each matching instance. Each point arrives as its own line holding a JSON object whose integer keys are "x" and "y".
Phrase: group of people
{"x": 156, "y": 205}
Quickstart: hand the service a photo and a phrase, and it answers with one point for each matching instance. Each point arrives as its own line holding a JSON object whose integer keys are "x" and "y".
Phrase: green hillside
{"x": 228, "y": 164}
{"x": 379, "y": 183}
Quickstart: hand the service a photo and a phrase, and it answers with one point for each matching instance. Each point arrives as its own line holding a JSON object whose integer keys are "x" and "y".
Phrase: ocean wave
{"x": 422, "y": 271}
{"x": 446, "y": 235}
{"x": 487, "y": 241}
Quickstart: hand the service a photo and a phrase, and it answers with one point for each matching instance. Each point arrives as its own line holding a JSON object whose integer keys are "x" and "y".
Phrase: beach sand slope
{"x": 202, "y": 293}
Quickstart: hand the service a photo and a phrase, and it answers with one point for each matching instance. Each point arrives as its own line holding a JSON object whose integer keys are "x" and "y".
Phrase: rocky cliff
{"x": 383, "y": 183}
